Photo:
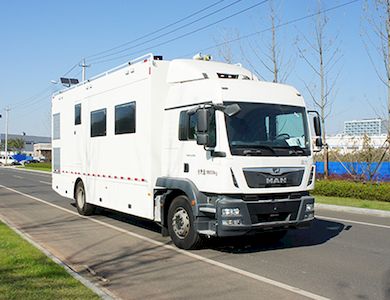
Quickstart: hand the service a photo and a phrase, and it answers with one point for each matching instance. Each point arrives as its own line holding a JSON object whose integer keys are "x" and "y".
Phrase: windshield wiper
{"x": 253, "y": 149}
{"x": 252, "y": 152}
{"x": 294, "y": 149}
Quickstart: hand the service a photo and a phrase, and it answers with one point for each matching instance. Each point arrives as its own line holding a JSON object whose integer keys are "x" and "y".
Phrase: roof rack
{"x": 143, "y": 58}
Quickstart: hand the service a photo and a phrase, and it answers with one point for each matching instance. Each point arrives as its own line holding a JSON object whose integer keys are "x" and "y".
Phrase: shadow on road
{"x": 318, "y": 233}
{"x": 132, "y": 220}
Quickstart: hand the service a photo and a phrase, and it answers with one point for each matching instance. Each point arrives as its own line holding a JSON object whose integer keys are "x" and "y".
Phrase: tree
{"x": 377, "y": 42}
{"x": 225, "y": 51}
{"x": 377, "y": 14}
{"x": 322, "y": 56}
{"x": 270, "y": 54}
{"x": 16, "y": 144}
{"x": 264, "y": 52}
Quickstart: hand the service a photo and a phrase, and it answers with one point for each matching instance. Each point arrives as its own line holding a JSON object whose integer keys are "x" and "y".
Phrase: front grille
{"x": 273, "y": 177}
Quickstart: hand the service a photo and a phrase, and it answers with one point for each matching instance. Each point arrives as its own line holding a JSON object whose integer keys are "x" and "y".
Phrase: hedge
{"x": 359, "y": 190}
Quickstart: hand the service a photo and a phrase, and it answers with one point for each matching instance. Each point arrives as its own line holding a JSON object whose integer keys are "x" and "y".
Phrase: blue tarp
{"x": 358, "y": 168}
{"x": 20, "y": 157}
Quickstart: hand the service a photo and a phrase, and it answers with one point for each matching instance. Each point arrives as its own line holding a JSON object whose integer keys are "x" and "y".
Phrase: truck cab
{"x": 239, "y": 149}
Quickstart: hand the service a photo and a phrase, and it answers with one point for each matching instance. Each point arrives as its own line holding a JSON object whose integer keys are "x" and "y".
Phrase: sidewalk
{"x": 355, "y": 210}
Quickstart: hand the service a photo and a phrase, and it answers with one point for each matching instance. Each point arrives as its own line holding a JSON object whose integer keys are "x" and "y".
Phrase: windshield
{"x": 268, "y": 130}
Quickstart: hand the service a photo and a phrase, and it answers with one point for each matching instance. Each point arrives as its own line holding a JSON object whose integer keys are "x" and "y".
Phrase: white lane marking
{"x": 34, "y": 172}
{"x": 45, "y": 182}
{"x": 184, "y": 252}
{"x": 356, "y": 222}
{"x": 16, "y": 176}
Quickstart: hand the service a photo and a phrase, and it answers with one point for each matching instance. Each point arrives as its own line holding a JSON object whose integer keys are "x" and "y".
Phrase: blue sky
{"x": 42, "y": 40}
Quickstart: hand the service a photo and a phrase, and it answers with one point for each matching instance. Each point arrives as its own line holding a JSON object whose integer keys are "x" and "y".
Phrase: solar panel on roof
{"x": 69, "y": 81}
{"x": 65, "y": 81}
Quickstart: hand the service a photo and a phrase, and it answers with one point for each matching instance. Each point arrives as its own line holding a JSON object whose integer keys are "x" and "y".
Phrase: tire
{"x": 181, "y": 224}
{"x": 83, "y": 207}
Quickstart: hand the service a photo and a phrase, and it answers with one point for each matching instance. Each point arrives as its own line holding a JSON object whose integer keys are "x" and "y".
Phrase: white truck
{"x": 203, "y": 148}
{"x": 8, "y": 161}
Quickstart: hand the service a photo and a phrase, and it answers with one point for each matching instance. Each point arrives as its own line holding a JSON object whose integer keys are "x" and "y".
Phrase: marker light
{"x": 311, "y": 177}
{"x": 231, "y": 222}
{"x": 309, "y": 215}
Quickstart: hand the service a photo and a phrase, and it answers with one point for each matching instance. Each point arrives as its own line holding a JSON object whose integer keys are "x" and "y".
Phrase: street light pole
{"x": 6, "y": 134}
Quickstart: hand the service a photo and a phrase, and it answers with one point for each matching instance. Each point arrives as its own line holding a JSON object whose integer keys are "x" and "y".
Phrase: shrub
{"x": 359, "y": 190}
{"x": 39, "y": 166}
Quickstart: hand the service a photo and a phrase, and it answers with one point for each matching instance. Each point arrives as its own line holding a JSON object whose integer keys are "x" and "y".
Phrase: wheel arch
{"x": 176, "y": 187}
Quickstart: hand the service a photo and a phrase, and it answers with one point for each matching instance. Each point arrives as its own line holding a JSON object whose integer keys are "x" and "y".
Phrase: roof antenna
{"x": 84, "y": 66}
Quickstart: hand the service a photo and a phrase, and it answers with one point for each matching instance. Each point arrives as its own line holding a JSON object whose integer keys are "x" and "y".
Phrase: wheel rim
{"x": 80, "y": 198}
{"x": 181, "y": 223}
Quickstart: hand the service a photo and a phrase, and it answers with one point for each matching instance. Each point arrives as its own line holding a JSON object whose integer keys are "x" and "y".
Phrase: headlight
{"x": 228, "y": 212}
{"x": 309, "y": 207}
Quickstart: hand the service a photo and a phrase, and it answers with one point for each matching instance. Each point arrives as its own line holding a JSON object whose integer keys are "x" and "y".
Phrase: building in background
{"x": 29, "y": 141}
{"x": 352, "y": 139}
{"x": 347, "y": 143}
{"x": 370, "y": 127}
{"x": 42, "y": 150}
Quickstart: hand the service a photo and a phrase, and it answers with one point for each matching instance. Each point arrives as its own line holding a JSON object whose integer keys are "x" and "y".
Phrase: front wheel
{"x": 181, "y": 224}
{"x": 83, "y": 207}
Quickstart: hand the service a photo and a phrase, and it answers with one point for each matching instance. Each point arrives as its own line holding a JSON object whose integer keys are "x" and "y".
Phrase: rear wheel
{"x": 83, "y": 207}
{"x": 181, "y": 224}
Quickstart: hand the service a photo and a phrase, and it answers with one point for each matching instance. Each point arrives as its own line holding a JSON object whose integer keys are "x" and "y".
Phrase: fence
{"x": 356, "y": 168}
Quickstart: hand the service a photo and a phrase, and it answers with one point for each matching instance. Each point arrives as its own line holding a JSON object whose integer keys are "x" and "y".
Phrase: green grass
{"x": 353, "y": 202}
{"x": 43, "y": 166}
{"x": 26, "y": 273}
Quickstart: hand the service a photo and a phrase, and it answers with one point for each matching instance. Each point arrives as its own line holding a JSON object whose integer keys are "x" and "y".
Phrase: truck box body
{"x": 130, "y": 136}
{"x": 113, "y": 165}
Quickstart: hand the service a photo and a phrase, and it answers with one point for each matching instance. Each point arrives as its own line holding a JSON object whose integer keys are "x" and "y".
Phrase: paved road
{"x": 341, "y": 256}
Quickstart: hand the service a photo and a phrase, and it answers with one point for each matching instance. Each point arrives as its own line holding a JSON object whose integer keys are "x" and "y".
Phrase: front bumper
{"x": 262, "y": 215}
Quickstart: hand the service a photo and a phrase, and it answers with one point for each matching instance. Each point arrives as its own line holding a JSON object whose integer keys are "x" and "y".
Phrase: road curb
{"x": 354, "y": 210}
{"x": 101, "y": 292}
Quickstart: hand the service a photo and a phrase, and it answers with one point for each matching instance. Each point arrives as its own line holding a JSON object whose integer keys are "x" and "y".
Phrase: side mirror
{"x": 319, "y": 142}
{"x": 317, "y": 125}
{"x": 202, "y": 127}
{"x": 231, "y": 110}
{"x": 202, "y": 139}
{"x": 316, "y": 122}
{"x": 317, "y": 131}
{"x": 203, "y": 120}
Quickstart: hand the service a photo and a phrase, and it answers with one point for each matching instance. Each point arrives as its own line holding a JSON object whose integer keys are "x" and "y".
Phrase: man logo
{"x": 276, "y": 170}
{"x": 276, "y": 180}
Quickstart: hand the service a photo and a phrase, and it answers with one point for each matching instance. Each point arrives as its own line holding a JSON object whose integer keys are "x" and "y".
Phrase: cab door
{"x": 197, "y": 162}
